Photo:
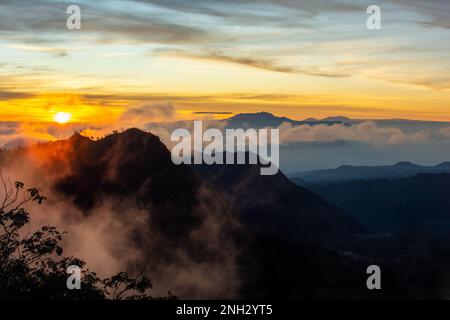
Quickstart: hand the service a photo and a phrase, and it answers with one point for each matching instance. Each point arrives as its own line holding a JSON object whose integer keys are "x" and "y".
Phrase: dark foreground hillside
{"x": 221, "y": 231}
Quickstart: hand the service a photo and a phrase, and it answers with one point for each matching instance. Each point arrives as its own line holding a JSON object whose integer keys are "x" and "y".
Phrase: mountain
{"x": 210, "y": 231}
{"x": 214, "y": 223}
{"x": 129, "y": 166}
{"x": 18, "y": 143}
{"x": 256, "y": 120}
{"x": 137, "y": 165}
{"x": 265, "y": 119}
{"x": 340, "y": 119}
{"x": 275, "y": 204}
{"x": 420, "y": 202}
{"x": 347, "y": 146}
{"x": 348, "y": 173}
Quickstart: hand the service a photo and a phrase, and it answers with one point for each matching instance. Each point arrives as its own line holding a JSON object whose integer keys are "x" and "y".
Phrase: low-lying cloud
{"x": 120, "y": 234}
{"x": 155, "y": 117}
{"x": 367, "y": 132}
{"x": 148, "y": 111}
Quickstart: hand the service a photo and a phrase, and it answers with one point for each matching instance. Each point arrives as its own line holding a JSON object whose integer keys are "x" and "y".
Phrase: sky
{"x": 177, "y": 59}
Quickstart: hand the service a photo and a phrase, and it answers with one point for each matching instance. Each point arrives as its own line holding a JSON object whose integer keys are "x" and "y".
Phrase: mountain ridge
{"x": 198, "y": 232}
{"x": 137, "y": 162}
{"x": 346, "y": 173}
{"x": 420, "y": 202}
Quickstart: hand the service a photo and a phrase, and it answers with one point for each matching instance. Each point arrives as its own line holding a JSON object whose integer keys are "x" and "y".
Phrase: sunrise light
{"x": 62, "y": 117}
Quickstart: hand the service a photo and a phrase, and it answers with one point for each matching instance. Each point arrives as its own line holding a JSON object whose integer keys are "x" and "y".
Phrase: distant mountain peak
{"x": 337, "y": 118}
{"x": 444, "y": 164}
{"x": 263, "y": 114}
{"x": 256, "y": 120}
{"x": 78, "y": 137}
{"x": 405, "y": 164}
{"x": 267, "y": 115}
{"x": 345, "y": 173}
{"x": 345, "y": 166}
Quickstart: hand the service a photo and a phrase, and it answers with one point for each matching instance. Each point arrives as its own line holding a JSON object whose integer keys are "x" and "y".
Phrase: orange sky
{"x": 293, "y": 58}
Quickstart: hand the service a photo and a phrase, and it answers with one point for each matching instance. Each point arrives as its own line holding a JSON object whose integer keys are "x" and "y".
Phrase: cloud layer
{"x": 300, "y": 37}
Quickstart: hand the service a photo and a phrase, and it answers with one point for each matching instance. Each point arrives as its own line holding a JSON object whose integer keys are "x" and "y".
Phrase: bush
{"x": 32, "y": 266}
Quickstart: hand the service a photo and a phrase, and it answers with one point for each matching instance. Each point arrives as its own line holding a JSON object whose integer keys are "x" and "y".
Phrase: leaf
{"x": 59, "y": 250}
{"x": 19, "y": 185}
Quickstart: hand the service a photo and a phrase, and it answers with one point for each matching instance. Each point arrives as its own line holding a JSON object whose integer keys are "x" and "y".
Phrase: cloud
{"x": 22, "y": 134}
{"x": 248, "y": 8}
{"x": 421, "y": 136}
{"x": 445, "y": 132}
{"x": 254, "y": 62}
{"x": 8, "y": 128}
{"x": 103, "y": 23}
{"x": 201, "y": 98}
{"x": 164, "y": 129}
{"x": 366, "y": 131}
{"x": 296, "y": 37}
{"x": 11, "y": 95}
{"x": 436, "y": 11}
{"x": 57, "y": 52}
{"x": 12, "y": 135}
{"x": 148, "y": 111}
{"x": 121, "y": 233}
{"x": 437, "y": 84}
{"x": 213, "y": 113}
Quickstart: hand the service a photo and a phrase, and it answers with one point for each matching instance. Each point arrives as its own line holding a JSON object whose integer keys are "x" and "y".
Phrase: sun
{"x": 62, "y": 117}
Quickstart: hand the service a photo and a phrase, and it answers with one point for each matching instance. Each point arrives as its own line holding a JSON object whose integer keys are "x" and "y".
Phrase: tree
{"x": 32, "y": 266}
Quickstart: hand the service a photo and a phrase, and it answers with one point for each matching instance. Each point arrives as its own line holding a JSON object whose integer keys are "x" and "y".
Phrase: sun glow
{"x": 62, "y": 117}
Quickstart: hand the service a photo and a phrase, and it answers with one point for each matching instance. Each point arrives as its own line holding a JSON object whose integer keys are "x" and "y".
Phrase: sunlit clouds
{"x": 294, "y": 58}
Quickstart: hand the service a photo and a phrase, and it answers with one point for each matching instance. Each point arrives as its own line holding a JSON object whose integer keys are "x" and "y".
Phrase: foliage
{"x": 32, "y": 265}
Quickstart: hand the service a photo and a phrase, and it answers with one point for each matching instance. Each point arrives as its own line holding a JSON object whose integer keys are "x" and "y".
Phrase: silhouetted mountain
{"x": 421, "y": 202}
{"x": 201, "y": 216}
{"x": 221, "y": 229}
{"x": 313, "y": 153}
{"x": 274, "y": 203}
{"x": 131, "y": 164}
{"x": 348, "y": 173}
{"x": 256, "y": 120}
{"x": 175, "y": 223}
{"x": 339, "y": 119}
{"x": 136, "y": 165}
{"x": 265, "y": 119}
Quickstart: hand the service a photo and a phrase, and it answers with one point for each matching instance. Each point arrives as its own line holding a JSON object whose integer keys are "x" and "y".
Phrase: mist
{"x": 119, "y": 232}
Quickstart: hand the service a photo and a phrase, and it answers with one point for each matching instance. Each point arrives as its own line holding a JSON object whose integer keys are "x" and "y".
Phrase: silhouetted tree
{"x": 32, "y": 265}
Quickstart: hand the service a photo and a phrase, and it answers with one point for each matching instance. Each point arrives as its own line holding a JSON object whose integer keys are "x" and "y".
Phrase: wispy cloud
{"x": 252, "y": 61}
{"x": 10, "y": 95}
{"x": 316, "y": 47}
{"x": 59, "y": 52}
{"x": 435, "y": 12}
{"x": 19, "y": 21}
{"x": 213, "y": 113}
